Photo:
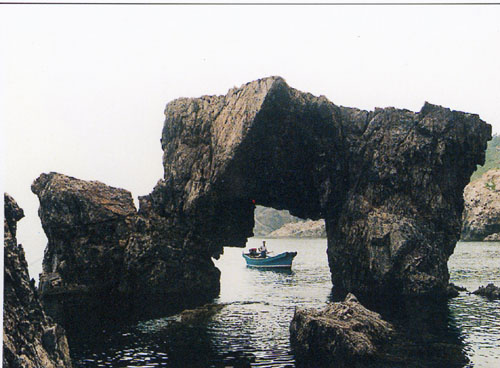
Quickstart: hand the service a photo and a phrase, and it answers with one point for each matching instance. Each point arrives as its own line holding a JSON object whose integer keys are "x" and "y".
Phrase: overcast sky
{"x": 84, "y": 87}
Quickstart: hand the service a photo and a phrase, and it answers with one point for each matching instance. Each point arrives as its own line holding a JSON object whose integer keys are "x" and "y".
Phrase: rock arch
{"x": 388, "y": 183}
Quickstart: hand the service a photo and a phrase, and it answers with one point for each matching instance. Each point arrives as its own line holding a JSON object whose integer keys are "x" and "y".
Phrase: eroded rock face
{"x": 388, "y": 182}
{"x": 104, "y": 255}
{"x": 481, "y": 217}
{"x": 88, "y": 225}
{"x": 30, "y": 338}
{"x": 344, "y": 334}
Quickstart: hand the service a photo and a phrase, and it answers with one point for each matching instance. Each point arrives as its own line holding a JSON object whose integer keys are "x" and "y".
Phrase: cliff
{"x": 30, "y": 338}
{"x": 268, "y": 220}
{"x": 481, "y": 217}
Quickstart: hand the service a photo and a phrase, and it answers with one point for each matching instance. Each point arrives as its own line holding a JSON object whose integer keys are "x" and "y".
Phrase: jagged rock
{"x": 102, "y": 252}
{"x": 344, "y": 334}
{"x": 30, "y": 338}
{"x": 88, "y": 225}
{"x": 481, "y": 217}
{"x": 490, "y": 291}
{"x": 303, "y": 229}
{"x": 388, "y": 182}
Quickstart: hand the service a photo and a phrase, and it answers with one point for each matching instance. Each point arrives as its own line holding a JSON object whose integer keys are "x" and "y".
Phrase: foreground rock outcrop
{"x": 30, "y": 338}
{"x": 490, "y": 291}
{"x": 481, "y": 217}
{"x": 102, "y": 252}
{"x": 344, "y": 334}
{"x": 388, "y": 182}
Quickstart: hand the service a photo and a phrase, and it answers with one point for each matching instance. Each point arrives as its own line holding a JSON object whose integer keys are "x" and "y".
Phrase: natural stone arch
{"x": 389, "y": 183}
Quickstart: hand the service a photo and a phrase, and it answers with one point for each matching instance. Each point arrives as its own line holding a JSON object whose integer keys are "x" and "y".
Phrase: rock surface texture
{"x": 388, "y": 182}
{"x": 344, "y": 334}
{"x": 30, "y": 338}
{"x": 101, "y": 251}
{"x": 481, "y": 217}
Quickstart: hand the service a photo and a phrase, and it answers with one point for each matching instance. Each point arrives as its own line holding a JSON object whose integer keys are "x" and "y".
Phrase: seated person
{"x": 263, "y": 250}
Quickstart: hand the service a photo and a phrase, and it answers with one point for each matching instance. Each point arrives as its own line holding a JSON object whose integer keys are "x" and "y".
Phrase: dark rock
{"x": 344, "y": 334}
{"x": 30, "y": 338}
{"x": 481, "y": 217}
{"x": 103, "y": 255}
{"x": 453, "y": 290}
{"x": 88, "y": 225}
{"x": 388, "y": 183}
{"x": 490, "y": 291}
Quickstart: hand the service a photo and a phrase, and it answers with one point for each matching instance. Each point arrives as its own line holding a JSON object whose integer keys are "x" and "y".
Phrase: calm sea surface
{"x": 252, "y": 328}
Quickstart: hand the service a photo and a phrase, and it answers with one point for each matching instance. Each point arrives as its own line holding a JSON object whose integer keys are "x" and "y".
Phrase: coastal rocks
{"x": 481, "y": 217}
{"x": 302, "y": 229}
{"x": 388, "y": 182}
{"x": 490, "y": 291}
{"x": 103, "y": 255}
{"x": 88, "y": 225}
{"x": 344, "y": 334}
{"x": 30, "y": 338}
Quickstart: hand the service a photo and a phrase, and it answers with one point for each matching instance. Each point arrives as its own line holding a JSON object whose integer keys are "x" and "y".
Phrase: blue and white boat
{"x": 282, "y": 260}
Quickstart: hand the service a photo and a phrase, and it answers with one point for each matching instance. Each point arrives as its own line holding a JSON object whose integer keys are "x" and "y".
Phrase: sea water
{"x": 252, "y": 329}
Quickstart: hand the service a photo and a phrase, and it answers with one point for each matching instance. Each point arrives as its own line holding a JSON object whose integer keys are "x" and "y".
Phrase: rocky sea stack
{"x": 30, "y": 338}
{"x": 102, "y": 252}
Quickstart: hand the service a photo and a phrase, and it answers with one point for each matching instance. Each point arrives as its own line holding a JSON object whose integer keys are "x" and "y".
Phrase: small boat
{"x": 282, "y": 260}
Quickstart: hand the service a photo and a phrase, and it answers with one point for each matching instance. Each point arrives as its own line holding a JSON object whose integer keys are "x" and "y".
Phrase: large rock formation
{"x": 30, "y": 338}
{"x": 388, "y": 182}
{"x": 344, "y": 334}
{"x": 481, "y": 217}
{"x": 101, "y": 251}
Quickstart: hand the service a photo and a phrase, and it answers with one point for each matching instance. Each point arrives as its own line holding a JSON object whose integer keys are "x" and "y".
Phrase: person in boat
{"x": 263, "y": 249}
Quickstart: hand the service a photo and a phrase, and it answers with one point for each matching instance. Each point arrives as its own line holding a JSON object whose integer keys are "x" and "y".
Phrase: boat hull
{"x": 282, "y": 260}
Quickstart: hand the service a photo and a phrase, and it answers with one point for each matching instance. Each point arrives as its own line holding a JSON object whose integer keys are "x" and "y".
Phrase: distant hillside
{"x": 492, "y": 158}
{"x": 268, "y": 220}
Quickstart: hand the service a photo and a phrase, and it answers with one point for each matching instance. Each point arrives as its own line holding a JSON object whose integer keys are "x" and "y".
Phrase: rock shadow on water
{"x": 426, "y": 334}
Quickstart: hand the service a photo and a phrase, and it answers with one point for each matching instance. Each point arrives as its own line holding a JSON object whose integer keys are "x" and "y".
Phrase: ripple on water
{"x": 254, "y": 325}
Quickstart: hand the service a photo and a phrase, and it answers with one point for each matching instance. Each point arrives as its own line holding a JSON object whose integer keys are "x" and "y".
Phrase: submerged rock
{"x": 490, "y": 291}
{"x": 30, "y": 338}
{"x": 481, "y": 217}
{"x": 200, "y": 314}
{"x": 344, "y": 334}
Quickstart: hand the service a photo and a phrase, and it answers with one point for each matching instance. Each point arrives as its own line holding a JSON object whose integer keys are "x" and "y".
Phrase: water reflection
{"x": 252, "y": 329}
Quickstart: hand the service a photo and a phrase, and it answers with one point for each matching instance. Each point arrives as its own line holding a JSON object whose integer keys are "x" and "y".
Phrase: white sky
{"x": 84, "y": 87}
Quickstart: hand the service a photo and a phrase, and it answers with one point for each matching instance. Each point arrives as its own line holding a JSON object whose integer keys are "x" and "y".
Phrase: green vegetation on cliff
{"x": 492, "y": 158}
